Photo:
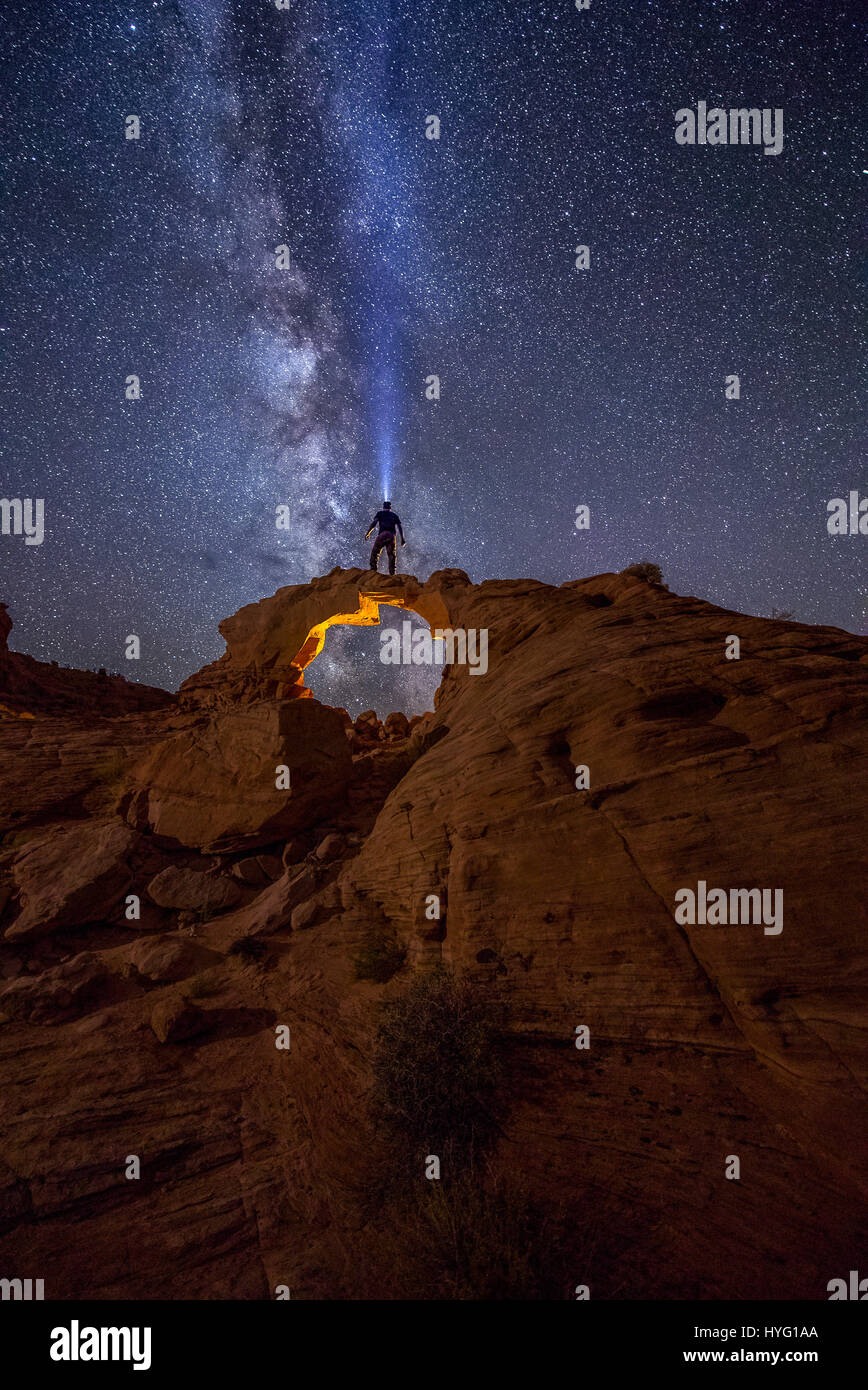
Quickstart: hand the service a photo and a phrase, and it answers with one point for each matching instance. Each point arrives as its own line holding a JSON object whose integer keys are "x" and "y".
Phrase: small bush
{"x": 478, "y": 1237}
{"x": 202, "y": 986}
{"x": 249, "y": 947}
{"x": 110, "y": 772}
{"x": 379, "y": 957}
{"x": 646, "y": 570}
{"x": 436, "y": 1068}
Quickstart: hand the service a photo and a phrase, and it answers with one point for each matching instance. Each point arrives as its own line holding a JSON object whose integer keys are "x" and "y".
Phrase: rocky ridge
{"x": 154, "y": 1034}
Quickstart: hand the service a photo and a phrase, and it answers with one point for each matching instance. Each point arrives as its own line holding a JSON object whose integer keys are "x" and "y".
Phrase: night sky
{"x": 409, "y": 257}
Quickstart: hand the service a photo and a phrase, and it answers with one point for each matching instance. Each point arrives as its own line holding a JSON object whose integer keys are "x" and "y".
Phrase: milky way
{"x": 411, "y": 257}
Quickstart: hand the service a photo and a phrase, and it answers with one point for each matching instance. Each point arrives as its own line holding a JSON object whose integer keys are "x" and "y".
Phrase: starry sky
{"x": 410, "y": 257}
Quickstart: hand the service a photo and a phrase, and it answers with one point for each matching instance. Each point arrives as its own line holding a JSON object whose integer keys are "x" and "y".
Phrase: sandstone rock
{"x": 60, "y": 993}
{"x": 305, "y": 915}
{"x": 73, "y": 875}
{"x": 31, "y": 687}
{"x": 258, "y": 870}
{"x": 332, "y": 847}
{"x": 191, "y": 890}
{"x": 166, "y": 959}
{"x": 294, "y": 852}
{"x": 303, "y": 882}
{"x": 396, "y": 725}
{"x": 269, "y": 644}
{"x": 151, "y": 918}
{"x": 704, "y": 1041}
{"x": 175, "y": 1019}
{"x": 215, "y": 786}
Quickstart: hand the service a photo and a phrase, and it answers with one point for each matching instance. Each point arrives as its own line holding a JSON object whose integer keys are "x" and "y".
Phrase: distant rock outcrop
{"x": 29, "y": 687}
{"x": 552, "y": 808}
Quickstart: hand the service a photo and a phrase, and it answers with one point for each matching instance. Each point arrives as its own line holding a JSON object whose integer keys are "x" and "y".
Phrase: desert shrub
{"x": 379, "y": 957}
{"x": 202, "y": 986}
{"x": 249, "y": 947}
{"x": 477, "y": 1237}
{"x": 646, "y": 570}
{"x": 110, "y": 771}
{"x": 436, "y": 1067}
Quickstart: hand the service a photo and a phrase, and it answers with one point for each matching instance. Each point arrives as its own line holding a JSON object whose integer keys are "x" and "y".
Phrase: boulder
{"x": 396, "y": 725}
{"x": 62, "y": 992}
{"x": 332, "y": 847}
{"x": 215, "y": 786}
{"x": 166, "y": 959}
{"x": 191, "y": 890}
{"x": 294, "y": 851}
{"x": 257, "y": 870}
{"x": 305, "y": 915}
{"x": 73, "y": 875}
{"x": 174, "y": 1019}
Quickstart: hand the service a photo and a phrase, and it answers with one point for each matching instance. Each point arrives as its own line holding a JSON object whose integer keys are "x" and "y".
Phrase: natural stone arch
{"x": 269, "y": 644}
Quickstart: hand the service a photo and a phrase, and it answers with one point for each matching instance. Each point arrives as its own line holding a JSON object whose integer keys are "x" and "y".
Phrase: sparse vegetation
{"x": 478, "y": 1237}
{"x": 379, "y": 957}
{"x": 109, "y": 771}
{"x": 202, "y": 986}
{"x": 646, "y": 570}
{"x": 437, "y": 1067}
{"x": 15, "y": 840}
{"x": 249, "y": 947}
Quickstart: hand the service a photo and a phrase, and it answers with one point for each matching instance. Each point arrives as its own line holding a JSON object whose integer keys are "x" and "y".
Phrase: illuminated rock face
{"x": 270, "y": 643}
{"x": 556, "y": 893}
{"x": 218, "y": 786}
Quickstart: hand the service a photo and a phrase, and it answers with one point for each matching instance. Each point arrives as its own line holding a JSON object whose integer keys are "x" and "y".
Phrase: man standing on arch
{"x": 387, "y": 521}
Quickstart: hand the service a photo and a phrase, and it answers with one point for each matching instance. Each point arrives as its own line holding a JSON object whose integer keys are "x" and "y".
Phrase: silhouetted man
{"x": 387, "y": 521}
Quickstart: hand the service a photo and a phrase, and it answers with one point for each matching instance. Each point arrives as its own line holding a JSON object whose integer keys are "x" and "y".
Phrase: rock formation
{"x": 166, "y": 907}
{"x": 29, "y": 687}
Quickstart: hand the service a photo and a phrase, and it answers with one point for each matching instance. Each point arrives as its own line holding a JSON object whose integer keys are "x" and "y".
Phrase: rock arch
{"x": 269, "y": 644}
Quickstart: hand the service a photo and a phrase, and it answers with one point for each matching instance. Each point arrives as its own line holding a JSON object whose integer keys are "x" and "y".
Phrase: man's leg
{"x": 375, "y": 553}
{"x": 392, "y": 549}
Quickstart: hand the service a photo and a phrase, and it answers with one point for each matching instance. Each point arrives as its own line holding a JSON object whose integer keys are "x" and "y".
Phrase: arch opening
{"x": 344, "y": 667}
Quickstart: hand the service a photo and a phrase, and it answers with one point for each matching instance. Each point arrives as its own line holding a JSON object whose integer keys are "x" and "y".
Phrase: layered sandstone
{"x": 156, "y": 1035}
